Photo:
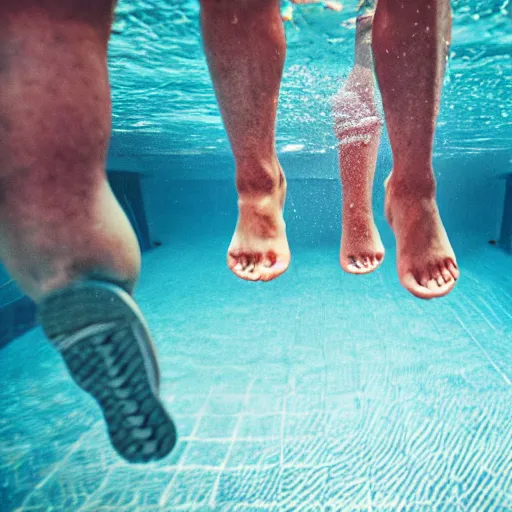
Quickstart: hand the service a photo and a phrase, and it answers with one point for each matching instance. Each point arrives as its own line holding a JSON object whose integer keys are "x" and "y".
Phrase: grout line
{"x": 167, "y": 491}
{"x": 73, "y": 449}
{"x": 228, "y": 454}
{"x": 471, "y": 335}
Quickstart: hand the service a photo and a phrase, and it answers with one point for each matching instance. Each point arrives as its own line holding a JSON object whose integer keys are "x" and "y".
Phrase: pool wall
{"x": 188, "y": 196}
{"x": 176, "y": 199}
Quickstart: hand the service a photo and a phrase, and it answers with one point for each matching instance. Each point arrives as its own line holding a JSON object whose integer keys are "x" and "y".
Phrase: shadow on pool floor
{"x": 319, "y": 391}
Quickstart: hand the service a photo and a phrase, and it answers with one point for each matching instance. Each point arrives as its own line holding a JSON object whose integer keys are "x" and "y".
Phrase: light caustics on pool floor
{"x": 319, "y": 391}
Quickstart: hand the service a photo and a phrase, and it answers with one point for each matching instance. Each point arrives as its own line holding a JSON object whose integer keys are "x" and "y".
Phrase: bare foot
{"x": 358, "y": 128}
{"x": 259, "y": 249}
{"x": 427, "y": 266}
{"x": 361, "y": 247}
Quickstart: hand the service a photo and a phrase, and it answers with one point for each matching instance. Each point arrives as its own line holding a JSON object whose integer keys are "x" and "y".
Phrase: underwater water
{"x": 319, "y": 391}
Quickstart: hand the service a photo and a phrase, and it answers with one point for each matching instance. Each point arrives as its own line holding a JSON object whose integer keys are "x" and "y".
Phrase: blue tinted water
{"x": 319, "y": 391}
{"x": 162, "y": 88}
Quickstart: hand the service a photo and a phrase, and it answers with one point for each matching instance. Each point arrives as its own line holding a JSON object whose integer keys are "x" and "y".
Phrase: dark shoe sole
{"x": 105, "y": 343}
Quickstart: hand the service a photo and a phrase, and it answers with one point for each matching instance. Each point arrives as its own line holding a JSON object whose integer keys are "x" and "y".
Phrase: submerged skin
{"x": 59, "y": 220}
{"x": 410, "y": 78}
{"x": 358, "y": 129}
{"x": 61, "y": 228}
{"x": 245, "y": 46}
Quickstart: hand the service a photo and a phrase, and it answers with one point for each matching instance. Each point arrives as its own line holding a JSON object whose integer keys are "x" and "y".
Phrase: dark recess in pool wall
{"x": 506, "y": 225}
{"x": 17, "y": 311}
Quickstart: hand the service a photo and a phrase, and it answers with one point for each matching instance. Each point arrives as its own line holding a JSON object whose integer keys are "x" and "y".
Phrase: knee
{"x": 51, "y": 247}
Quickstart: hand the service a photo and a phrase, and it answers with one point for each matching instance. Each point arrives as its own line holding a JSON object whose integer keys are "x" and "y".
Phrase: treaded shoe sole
{"x": 103, "y": 338}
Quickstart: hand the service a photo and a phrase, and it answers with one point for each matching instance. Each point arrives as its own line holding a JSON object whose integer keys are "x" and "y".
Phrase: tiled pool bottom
{"x": 319, "y": 391}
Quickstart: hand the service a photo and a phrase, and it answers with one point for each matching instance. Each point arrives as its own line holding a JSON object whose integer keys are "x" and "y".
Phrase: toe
{"x": 356, "y": 263}
{"x": 447, "y": 277}
{"x": 377, "y": 259}
{"x": 423, "y": 280}
{"x": 350, "y": 268}
{"x": 356, "y": 266}
{"x": 233, "y": 261}
{"x": 423, "y": 287}
{"x": 348, "y": 264}
{"x": 267, "y": 262}
{"x": 278, "y": 265}
{"x": 418, "y": 286}
{"x": 242, "y": 265}
{"x": 253, "y": 275}
{"x": 250, "y": 276}
{"x": 452, "y": 268}
{"x": 436, "y": 276}
{"x": 256, "y": 267}
{"x": 440, "y": 280}
{"x": 360, "y": 264}
{"x": 250, "y": 272}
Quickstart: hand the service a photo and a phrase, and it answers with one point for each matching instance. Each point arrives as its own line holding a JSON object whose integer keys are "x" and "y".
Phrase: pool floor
{"x": 319, "y": 391}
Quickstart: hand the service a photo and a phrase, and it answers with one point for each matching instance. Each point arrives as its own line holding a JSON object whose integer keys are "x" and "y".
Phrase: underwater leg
{"x": 245, "y": 48}
{"x": 410, "y": 44}
{"x": 60, "y": 225}
{"x": 358, "y": 129}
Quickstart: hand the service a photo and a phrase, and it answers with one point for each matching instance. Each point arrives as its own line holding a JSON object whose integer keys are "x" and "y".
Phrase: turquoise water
{"x": 319, "y": 391}
{"x": 162, "y": 90}
{"x": 316, "y": 392}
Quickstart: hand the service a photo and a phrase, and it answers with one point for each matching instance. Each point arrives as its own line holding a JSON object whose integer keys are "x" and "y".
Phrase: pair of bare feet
{"x": 426, "y": 262}
{"x": 425, "y": 259}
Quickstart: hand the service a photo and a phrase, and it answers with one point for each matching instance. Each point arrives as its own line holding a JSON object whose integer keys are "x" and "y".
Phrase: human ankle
{"x": 101, "y": 245}
{"x": 356, "y": 209}
{"x": 257, "y": 178}
{"x": 410, "y": 185}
